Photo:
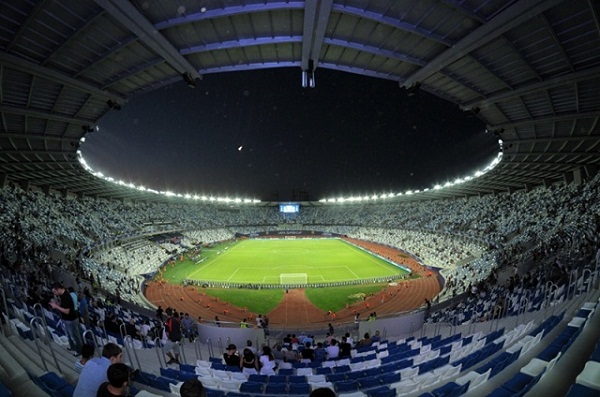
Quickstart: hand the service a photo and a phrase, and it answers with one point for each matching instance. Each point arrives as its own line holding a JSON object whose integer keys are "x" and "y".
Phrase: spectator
{"x": 267, "y": 362}
{"x": 322, "y": 392}
{"x": 333, "y": 350}
{"x": 172, "y": 337}
{"x": 231, "y": 356}
{"x": 87, "y": 352}
{"x": 94, "y": 371}
{"x": 307, "y": 354}
{"x": 248, "y": 362}
{"x": 69, "y": 316}
{"x": 118, "y": 380}
{"x": 192, "y": 388}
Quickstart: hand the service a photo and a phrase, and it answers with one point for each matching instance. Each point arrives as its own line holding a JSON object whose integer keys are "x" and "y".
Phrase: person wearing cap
{"x": 231, "y": 356}
{"x": 64, "y": 304}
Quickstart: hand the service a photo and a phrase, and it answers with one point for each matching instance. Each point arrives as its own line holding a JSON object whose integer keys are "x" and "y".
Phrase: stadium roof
{"x": 529, "y": 69}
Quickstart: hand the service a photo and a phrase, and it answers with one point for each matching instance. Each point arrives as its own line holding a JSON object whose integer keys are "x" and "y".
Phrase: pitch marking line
{"x": 350, "y": 270}
{"x": 233, "y": 274}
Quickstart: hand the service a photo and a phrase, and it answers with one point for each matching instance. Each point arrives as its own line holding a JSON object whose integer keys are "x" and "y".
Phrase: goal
{"x": 293, "y": 278}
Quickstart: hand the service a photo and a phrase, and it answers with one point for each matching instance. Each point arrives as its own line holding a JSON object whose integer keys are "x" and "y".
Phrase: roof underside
{"x": 529, "y": 69}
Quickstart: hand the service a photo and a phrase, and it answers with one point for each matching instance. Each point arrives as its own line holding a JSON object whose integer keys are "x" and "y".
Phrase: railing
{"x": 158, "y": 348}
{"x": 34, "y": 327}
{"x": 128, "y": 344}
{"x": 4, "y": 311}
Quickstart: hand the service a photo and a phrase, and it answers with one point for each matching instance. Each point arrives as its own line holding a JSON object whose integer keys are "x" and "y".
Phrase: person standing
{"x": 69, "y": 315}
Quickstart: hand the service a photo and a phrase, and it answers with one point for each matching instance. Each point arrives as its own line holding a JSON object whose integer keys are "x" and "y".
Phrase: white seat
{"x": 231, "y": 385}
{"x": 315, "y": 378}
{"x": 475, "y": 378}
{"x": 326, "y": 364}
{"x": 175, "y": 388}
{"x": 304, "y": 371}
{"x": 220, "y": 374}
{"x": 426, "y": 380}
{"x": 534, "y": 367}
{"x": 447, "y": 371}
{"x": 343, "y": 361}
{"x": 357, "y": 366}
{"x": 238, "y": 376}
{"x": 318, "y": 385}
{"x": 577, "y": 322}
{"x": 145, "y": 393}
{"x": 352, "y": 394}
{"x": 408, "y": 373}
{"x": 590, "y": 376}
{"x": 405, "y": 387}
{"x": 202, "y": 363}
{"x": 211, "y": 383}
{"x": 284, "y": 365}
{"x": 203, "y": 371}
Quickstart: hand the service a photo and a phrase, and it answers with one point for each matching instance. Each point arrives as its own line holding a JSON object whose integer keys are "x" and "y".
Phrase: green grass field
{"x": 263, "y": 261}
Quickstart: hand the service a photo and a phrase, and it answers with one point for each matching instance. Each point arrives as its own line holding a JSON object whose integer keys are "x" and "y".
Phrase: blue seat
{"x": 286, "y": 371}
{"x": 161, "y": 383}
{"x": 518, "y": 382}
{"x": 55, "y": 385}
{"x": 214, "y": 393}
{"x": 258, "y": 378}
{"x": 187, "y": 368}
{"x": 252, "y": 387}
{"x": 5, "y": 391}
{"x": 341, "y": 369}
{"x": 297, "y": 379}
{"x": 577, "y": 390}
{"x": 335, "y": 378}
{"x": 347, "y": 385}
{"x": 368, "y": 382}
{"x": 382, "y": 391}
{"x": 276, "y": 388}
{"x": 277, "y": 379}
{"x": 299, "y": 388}
{"x": 323, "y": 370}
{"x": 389, "y": 378}
{"x": 451, "y": 389}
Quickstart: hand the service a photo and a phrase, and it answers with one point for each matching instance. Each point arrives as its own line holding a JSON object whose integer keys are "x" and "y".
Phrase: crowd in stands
{"x": 484, "y": 233}
{"x": 106, "y": 244}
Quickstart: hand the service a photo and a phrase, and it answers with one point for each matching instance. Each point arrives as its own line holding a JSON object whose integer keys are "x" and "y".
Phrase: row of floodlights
{"x": 448, "y": 184}
{"x": 164, "y": 193}
{"x": 383, "y": 196}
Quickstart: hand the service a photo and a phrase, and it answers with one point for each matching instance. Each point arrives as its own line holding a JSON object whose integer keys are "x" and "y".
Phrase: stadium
{"x": 483, "y": 285}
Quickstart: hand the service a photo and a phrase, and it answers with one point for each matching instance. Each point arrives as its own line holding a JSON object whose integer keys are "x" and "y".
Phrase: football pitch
{"x": 258, "y": 261}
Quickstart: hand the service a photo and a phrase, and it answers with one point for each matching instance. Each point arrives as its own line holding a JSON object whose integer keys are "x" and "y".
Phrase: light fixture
{"x": 113, "y": 104}
{"x": 413, "y": 89}
{"x": 308, "y": 75}
{"x": 189, "y": 79}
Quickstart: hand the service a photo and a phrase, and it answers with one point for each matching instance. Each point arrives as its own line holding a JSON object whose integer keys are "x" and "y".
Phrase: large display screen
{"x": 289, "y": 208}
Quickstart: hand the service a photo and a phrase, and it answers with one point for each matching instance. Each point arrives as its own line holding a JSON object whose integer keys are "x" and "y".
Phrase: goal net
{"x": 293, "y": 278}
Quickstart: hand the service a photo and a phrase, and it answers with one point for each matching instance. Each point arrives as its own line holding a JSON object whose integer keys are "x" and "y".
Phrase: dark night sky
{"x": 350, "y": 135}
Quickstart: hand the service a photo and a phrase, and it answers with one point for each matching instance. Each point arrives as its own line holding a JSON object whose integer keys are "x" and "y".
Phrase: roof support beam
{"x": 316, "y": 15}
{"x": 43, "y": 115}
{"x": 537, "y": 86}
{"x": 132, "y": 19}
{"x": 46, "y": 73}
{"x": 519, "y": 13}
{"x": 541, "y": 120}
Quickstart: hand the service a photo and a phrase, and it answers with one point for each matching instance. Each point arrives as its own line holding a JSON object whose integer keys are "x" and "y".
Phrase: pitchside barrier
{"x": 226, "y": 284}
